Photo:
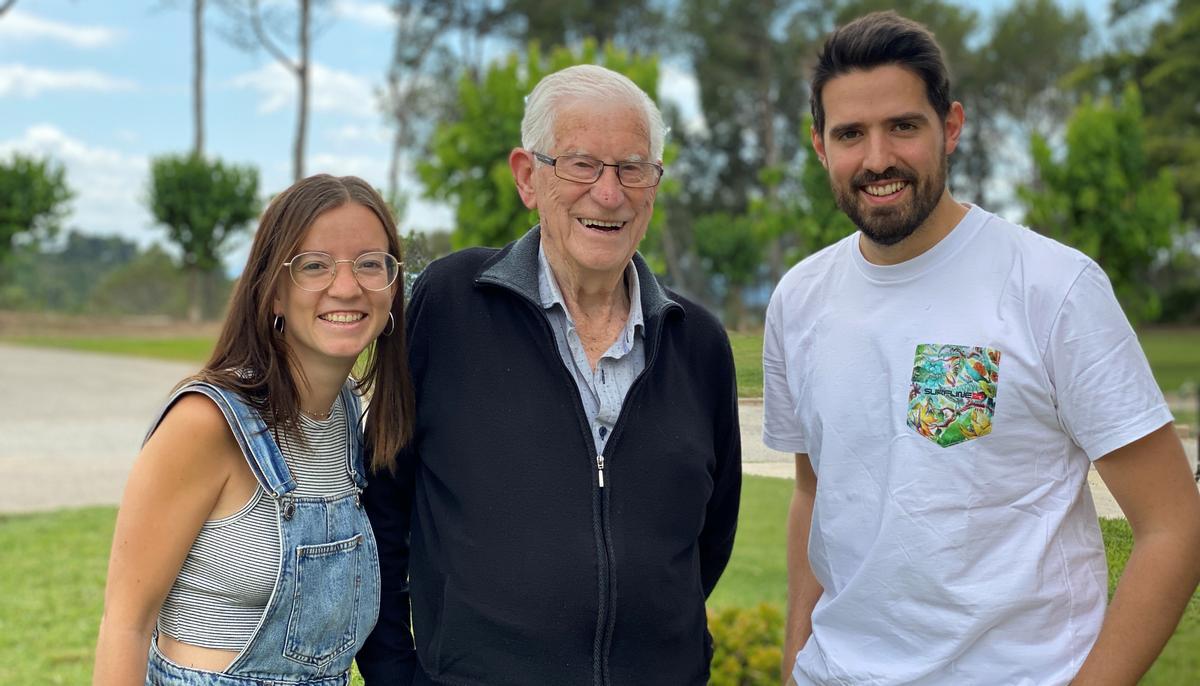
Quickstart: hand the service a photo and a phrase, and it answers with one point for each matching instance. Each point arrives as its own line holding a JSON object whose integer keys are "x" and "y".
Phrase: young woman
{"x": 241, "y": 551}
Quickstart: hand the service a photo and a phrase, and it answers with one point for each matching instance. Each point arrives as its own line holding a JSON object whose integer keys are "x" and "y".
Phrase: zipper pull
{"x": 600, "y": 469}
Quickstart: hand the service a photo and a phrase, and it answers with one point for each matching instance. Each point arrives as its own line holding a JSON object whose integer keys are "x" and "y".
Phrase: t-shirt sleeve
{"x": 781, "y": 423}
{"x": 1106, "y": 394}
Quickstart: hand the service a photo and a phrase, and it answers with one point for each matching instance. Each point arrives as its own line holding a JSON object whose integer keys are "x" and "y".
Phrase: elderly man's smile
{"x": 602, "y": 225}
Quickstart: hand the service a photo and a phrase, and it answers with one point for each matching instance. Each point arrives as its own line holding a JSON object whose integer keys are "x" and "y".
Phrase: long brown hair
{"x": 253, "y": 360}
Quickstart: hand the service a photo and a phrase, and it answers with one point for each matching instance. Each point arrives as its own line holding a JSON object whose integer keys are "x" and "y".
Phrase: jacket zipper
{"x": 604, "y": 620}
{"x": 607, "y": 612}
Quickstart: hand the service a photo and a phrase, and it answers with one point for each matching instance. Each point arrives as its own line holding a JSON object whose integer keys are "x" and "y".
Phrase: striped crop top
{"x": 225, "y": 583}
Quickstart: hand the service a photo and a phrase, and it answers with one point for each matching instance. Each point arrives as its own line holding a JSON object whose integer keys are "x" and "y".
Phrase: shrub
{"x": 747, "y": 645}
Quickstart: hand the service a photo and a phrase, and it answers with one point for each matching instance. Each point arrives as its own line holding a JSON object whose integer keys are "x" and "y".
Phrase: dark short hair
{"x": 876, "y": 40}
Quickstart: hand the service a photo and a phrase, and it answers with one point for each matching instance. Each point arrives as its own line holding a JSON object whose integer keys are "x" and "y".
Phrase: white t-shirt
{"x": 949, "y": 406}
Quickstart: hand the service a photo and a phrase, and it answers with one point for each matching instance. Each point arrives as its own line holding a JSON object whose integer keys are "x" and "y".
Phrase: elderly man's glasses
{"x": 584, "y": 169}
{"x": 315, "y": 271}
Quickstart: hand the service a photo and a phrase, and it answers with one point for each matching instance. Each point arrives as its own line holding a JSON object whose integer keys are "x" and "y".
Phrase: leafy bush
{"x": 747, "y": 645}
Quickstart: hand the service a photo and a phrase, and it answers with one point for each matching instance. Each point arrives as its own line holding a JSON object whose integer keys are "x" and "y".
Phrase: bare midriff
{"x": 195, "y": 657}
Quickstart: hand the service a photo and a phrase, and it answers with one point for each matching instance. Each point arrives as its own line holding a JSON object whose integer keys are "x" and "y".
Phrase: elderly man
{"x": 574, "y": 475}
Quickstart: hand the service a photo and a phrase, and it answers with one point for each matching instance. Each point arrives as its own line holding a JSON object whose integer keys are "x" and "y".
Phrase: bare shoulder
{"x": 194, "y": 434}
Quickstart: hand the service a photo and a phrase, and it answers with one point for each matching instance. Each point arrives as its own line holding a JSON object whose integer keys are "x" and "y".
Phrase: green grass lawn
{"x": 1174, "y": 355}
{"x": 52, "y": 570}
{"x": 187, "y": 349}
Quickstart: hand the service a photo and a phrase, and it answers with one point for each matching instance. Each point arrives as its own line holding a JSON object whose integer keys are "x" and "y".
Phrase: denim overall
{"x": 326, "y": 597}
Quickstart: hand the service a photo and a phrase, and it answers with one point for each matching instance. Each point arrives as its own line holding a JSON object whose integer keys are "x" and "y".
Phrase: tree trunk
{"x": 195, "y": 294}
{"x": 393, "y": 189}
{"x": 302, "y": 79}
{"x": 198, "y": 75}
{"x": 771, "y": 155}
{"x": 735, "y": 308}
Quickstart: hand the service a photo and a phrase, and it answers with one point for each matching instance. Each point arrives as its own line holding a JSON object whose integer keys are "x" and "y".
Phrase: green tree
{"x": 730, "y": 248}
{"x": 748, "y": 61}
{"x": 1162, "y": 57}
{"x": 202, "y": 204}
{"x": 63, "y": 276}
{"x": 635, "y": 25}
{"x": 816, "y": 220}
{"x": 468, "y": 164}
{"x": 33, "y": 198}
{"x": 148, "y": 284}
{"x": 1102, "y": 197}
{"x": 421, "y": 248}
{"x": 1164, "y": 63}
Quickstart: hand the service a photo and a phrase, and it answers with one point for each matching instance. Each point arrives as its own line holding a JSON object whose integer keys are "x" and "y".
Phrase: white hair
{"x": 584, "y": 82}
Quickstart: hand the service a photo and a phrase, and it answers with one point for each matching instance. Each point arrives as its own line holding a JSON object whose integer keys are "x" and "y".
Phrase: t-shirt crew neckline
{"x": 943, "y": 250}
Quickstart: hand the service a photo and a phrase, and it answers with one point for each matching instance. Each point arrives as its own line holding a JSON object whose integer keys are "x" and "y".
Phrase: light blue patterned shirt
{"x": 602, "y": 390}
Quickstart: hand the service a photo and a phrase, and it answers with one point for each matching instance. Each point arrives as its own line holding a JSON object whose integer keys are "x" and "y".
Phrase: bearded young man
{"x": 946, "y": 378}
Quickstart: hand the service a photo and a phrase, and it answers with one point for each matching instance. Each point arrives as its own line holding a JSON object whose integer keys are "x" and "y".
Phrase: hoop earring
{"x": 391, "y": 325}
{"x": 278, "y": 324}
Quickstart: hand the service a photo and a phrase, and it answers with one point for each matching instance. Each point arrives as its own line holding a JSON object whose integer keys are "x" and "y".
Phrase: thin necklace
{"x": 318, "y": 416}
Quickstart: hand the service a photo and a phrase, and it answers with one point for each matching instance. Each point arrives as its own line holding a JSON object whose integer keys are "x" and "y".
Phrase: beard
{"x": 889, "y": 225}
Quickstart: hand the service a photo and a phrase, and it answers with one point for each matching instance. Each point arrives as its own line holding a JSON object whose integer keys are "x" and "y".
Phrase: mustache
{"x": 890, "y": 174}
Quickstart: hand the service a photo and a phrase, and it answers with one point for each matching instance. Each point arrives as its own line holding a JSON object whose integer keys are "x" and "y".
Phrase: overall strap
{"x": 354, "y": 435}
{"x": 251, "y": 432}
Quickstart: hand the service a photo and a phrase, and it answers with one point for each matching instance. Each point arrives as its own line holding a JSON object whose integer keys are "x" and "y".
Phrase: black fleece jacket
{"x": 523, "y": 568}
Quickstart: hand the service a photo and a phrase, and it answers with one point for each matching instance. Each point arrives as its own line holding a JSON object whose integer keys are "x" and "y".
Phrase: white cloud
{"x": 372, "y": 169}
{"x": 372, "y": 14}
{"x": 330, "y": 90}
{"x": 680, "y": 87}
{"x": 20, "y": 81}
{"x": 109, "y": 185}
{"x": 353, "y": 133}
{"x": 421, "y": 214}
{"x": 22, "y": 26}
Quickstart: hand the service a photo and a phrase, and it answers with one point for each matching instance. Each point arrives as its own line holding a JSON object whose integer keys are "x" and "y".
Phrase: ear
{"x": 521, "y": 162}
{"x": 818, "y": 144}
{"x": 955, "y": 119}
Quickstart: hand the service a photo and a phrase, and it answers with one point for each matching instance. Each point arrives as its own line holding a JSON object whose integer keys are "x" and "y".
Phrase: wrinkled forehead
{"x": 594, "y": 126}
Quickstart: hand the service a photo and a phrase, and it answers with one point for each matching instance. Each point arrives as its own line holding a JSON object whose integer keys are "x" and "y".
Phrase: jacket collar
{"x": 515, "y": 267}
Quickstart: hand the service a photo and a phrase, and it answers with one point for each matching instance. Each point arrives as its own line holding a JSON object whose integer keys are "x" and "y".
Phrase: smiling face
{"x": 886, "y": 151}
{"x": 589, "y": 230}
{"x": 331, "y": 327}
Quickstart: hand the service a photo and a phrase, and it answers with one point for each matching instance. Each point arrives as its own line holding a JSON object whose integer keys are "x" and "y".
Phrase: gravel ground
{"x": 70, "y": 434}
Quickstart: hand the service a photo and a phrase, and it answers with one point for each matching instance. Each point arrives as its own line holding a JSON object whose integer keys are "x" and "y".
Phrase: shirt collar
{"x": 550, "y": 294}
{"x": 516, "y": 267}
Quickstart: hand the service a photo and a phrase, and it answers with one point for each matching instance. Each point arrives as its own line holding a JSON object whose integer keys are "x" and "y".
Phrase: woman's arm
{"x": 174, "y": 485}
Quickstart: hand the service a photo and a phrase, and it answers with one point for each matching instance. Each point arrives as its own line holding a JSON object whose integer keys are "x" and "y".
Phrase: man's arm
{"x": 1151, "y": 482}
{"x": 803, "y": 588}
{"x": 388, "y": 656}
{"x": 720, "y": 519}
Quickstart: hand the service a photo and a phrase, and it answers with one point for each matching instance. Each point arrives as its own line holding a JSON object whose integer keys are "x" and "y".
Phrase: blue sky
{"x": 104, "y": 86}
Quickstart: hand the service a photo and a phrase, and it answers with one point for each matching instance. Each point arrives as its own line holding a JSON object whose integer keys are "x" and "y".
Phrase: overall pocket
{"x": 323, "y": 622}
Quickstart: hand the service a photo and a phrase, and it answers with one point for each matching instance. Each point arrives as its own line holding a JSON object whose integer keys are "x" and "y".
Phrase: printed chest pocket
{"x": 953, "y": 394}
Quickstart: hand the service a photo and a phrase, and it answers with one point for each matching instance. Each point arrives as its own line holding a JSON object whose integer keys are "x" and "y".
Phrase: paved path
{"x": 71, "y": 424}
